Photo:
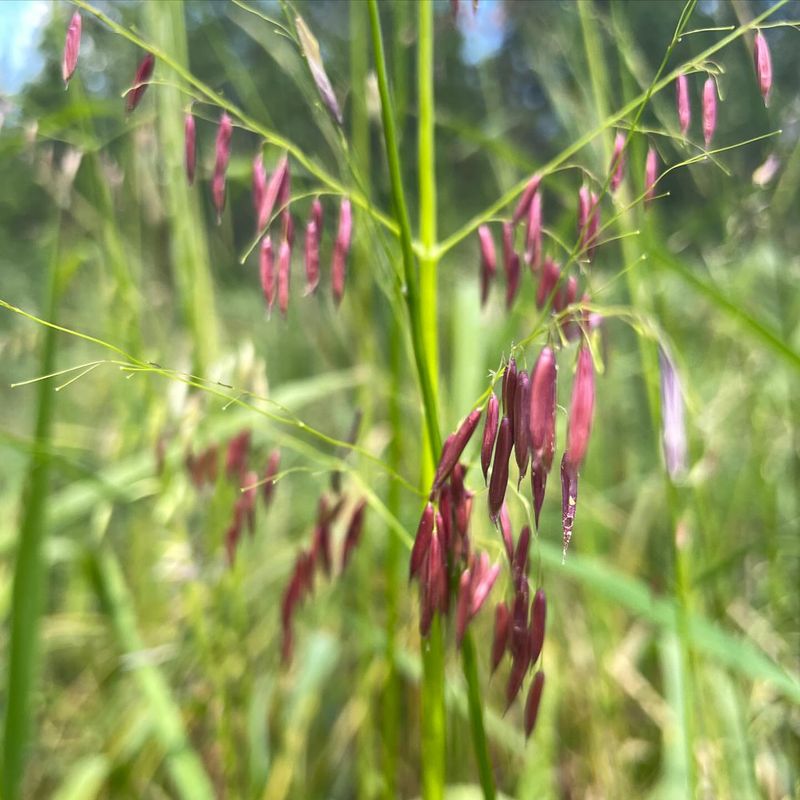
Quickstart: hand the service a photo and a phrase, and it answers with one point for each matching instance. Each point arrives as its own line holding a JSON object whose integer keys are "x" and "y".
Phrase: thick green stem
{"x": 470, "y": 663}
{"x": 27, "y": 591}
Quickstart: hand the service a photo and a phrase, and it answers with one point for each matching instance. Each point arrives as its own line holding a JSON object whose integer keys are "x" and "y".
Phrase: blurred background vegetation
{"x": 151, "y": 648}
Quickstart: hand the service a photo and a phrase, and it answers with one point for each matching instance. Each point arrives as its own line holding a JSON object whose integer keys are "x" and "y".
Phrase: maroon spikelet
{"x": 72, "y": 45}
{"x": 454, "y": 446}
{"x": 709, "y": 110}
{"x": 489, "y": 433}
{"x": 533, "y": 238}
{"x": 538, "y": 618}
{"x": 223, "y": 152}
{"x": 259, "y": 190}
{"x": 273, "y": 465}
{"x": 542, "y": 424}
{"x": 650, "y": 175}
{"x": 519, "y": 667}
{"x": 509, "y": 387}
{"x": 488, "y": 261}
{"x": 284, "y": 275}
{"x": 273, "y": 190}
{"x": 510, "y": 264}
{"x": 526, "y": 199}
{"x": 341, "y": 248}
{"x": 532, "y": 703}
{"x": 617, "y": 162}
{"x": 502, "y": 620}
{"x": 763, "y": 63}
{"x": 499, "y": 479}
{"x": 682, "y": 101}
{"x": 422, "y": 541}
{"x": 267, "y": 271}
{"x": 353, "y": 535}
{"x": 522, "y": 424}
{"x": 143, "y": 74}
{"x": 189, "y": 148}
{"x": 236, "y": 456}
{"x": 312, "y": 257}
{"x": 548, "y": 280}
{"x": 519, "y": 563}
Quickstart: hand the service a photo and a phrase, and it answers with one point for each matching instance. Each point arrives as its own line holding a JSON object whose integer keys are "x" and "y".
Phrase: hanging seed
{"x": 505, "y": 532}
{"x": 519, "y": 563}
{"x": 488, "y": 261}
{"x": 509, "y": 387}
{"x": 143, "y": 74}
{"x": 312, "y": 257}
{"x": 454, "y": 446}
{"x": 72, "y": 46}
{"x": 682, "y": 101}
{"x": 354, "y": 531}
{"x": 709, "y": 110}
{"x": 532, "y": 703}
{"x": 189, "y": 148}
{"x": 499, "y": 479}
{"x": 533, "y": 238}
{"x": 650, "y": 175}
{"x": 525, "y": 200}
{"x": 489, "y": 433}
{"x": 510, "y": 264}
{"x": 267, "y": 270}
{"x": 422, "y": 541}
{"x": 284, "y": 274}
{"x": 522, "y": 423}
{"x": 538, "y": 618}
{"x": 763, "y": 63}
{"x": 223, "y": 152}
{"x": 341, "y": 249}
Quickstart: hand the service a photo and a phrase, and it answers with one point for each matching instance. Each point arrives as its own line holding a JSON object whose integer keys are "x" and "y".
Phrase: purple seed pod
{"x": 533, "y": 237}
{"x": 422, "y": 541}
{"x": 444, "y": 517}
{"x": 502, "y": 626}
{"x": 525, "y": 200}
{"x": 353, "y": 535}
{"x": 617, "y": 162}
{"x": 489, "y": 433}
{"x": 434, "y": 586}
{"x": 548, "y": 280}
{"x": 273, "y": 465}
{"x": 317, "y": 215}
{"x": 462, "y": 605}
{"x": 273, "y": 190}
{"x": 519, "y": 564}
{"x": 340, "y": 250}
{"x": 520, "y": 638}
{"x": 581, "y": 409}
{"x": 189, "y": 148}
{"x": 522, "y": 423}
{"x": 538, "y": 619}
{"x": 236, "y": 455}
{"x": 223, "y": 152}
{"x": 532, "y": 703}
{"x": 509, "y": 387}
{"x": 499, "y": 479}
{"x": 682, "y": 100}
{"x": 454, "y": 446}
{"x": 488, "y": 261}
{"x": 569, "y": 500}
{"x": 709, "y": 109}
{"x": 763, "y": 64}
{"x": 505, "y": 532}
{"x": 673, "y": 425}
{"x": 650, "y": 175}
{"x": 72, "y": 45}
{"x": 143, "y": 74}
{"x": 267, "y": 270}
{"x": 284, "y": 270}
{"x": 312, "y": 257}
{"x": 483, "y": 579}
{"x": 259, "y": 190}
{"x": 462, "y": 501}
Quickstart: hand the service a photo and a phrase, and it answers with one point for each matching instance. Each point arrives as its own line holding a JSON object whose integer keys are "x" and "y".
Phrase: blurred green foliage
{"x": 147, "y": 637}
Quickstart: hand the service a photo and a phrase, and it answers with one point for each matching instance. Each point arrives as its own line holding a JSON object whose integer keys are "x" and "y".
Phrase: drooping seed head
{"x": 673, "y": 424}
{"x": 488, "y": 260}
{"x": 502, "y": 625}
{"x": 682, "y": 101}
{"x": 422, "y": 541}
{"x": 189, "y": 148}
{"x": 72, "y": 46}
{"x": 544, "y": 378}
{"x": 581, "y": 409}
{"x": 763, "y": 63}
{"x": 454, "y": 446}
{"x": 538, "y": 621}
{"x": 525, "y": 199}
{"x": 223, "y": 152}
{"x": 353, "y": 535}
{"x": 489, "y": 433}
{"x": 284, "y": 272}
{"x": 650, "y": 175}
{"x": 532, "y": 703}
{"x": 312, "y": 257}
{"x": 311, "y": 51}
{"x": 499, "y": 480}
{"x": 533, "y": 236}
{"x": 143, "y": 74}
{"x": 509, "y": 387}
{"x": 709, "y": 109}
{"x": 522, "y": 423}
{"x": 274, "y": 187}
{"x": 617, "y": 162}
